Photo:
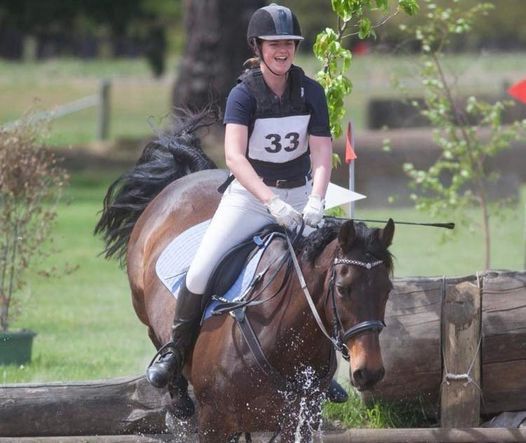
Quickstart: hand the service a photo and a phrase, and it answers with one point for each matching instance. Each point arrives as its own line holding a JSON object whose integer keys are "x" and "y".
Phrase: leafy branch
{"x": 336, "y": 59}
{"x": 468, "y": 132}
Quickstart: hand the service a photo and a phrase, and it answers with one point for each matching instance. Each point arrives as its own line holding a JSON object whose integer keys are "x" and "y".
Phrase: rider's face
{"x": 278, "y": 54}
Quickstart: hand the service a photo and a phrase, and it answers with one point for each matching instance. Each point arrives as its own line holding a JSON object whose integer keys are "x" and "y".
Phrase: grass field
{"x": 86, "y": 325}
{"x": 135, "y": 96}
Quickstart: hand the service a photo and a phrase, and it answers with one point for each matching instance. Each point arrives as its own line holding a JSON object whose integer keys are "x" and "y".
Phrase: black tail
{"x": 173, "y": 155}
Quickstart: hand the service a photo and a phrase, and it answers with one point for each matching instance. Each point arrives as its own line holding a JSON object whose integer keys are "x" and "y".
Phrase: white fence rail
{"x": 101, "y": 100}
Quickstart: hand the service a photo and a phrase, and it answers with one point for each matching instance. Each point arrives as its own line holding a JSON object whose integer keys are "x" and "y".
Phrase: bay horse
{"x": 329, "y": 292}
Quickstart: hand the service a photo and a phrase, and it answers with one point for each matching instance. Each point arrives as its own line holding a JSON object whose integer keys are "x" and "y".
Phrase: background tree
{"x": 468, "y": 132}
{"x": 214, "y": 52}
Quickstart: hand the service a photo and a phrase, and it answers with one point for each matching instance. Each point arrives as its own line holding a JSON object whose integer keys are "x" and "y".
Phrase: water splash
{"x": 305, "y": 403}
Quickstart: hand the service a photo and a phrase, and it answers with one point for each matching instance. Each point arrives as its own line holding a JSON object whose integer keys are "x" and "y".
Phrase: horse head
{"x": 360, "y": 285}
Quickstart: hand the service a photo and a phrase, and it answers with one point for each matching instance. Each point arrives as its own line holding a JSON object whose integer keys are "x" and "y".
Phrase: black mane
{"x": 172, "y": 155}
{"x": 366, "y": 240}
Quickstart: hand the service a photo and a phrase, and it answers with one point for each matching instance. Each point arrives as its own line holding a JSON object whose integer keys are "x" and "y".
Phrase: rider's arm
{"x": 236, "y": 138}
{"x": 321, "y": 158}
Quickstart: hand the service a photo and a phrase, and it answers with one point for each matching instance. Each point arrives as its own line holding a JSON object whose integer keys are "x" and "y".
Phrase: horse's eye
{"x": 343, "y": 290}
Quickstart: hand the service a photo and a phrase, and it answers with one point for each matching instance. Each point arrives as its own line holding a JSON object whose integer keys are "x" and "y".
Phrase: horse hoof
{"x": 182, "y": 408}
{"x": 336, "y": 393}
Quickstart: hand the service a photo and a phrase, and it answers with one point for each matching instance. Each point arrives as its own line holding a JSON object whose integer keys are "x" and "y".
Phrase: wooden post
{"x": 103, "y": 113}
{"x": 460, "y": 389}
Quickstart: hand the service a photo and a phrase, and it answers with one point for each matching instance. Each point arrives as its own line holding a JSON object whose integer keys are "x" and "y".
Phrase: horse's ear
{"x": 387, "y": 233}
{"x": 346, "y": 236}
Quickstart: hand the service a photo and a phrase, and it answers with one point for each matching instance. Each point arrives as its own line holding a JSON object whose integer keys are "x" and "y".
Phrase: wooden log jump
{"x": 117, "y": 406}
{"x": 412, "y": 358}
{"x": 412, "y": 350}
{"x": 444, "y": 435}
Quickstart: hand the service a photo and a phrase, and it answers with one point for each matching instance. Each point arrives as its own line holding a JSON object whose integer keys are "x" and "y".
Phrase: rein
{"x": 342, "y": 335}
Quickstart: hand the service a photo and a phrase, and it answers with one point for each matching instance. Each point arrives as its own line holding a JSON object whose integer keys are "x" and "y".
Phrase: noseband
{"x": 342, "y": 334}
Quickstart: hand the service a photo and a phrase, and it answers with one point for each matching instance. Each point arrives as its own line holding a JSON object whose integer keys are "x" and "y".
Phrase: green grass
{"x": 135, "y": 96}
{"x": 426, "y": 251}
{"x": 353, "y": 414}
{"x": 86, "y": 325}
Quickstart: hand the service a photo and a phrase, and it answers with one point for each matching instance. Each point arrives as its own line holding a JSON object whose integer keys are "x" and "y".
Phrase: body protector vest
{"x": 278, "y": 142}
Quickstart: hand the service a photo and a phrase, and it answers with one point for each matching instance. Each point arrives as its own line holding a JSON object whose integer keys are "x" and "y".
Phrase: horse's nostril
{"x": 359, "y": 376}
{"x": 364, "y": 377}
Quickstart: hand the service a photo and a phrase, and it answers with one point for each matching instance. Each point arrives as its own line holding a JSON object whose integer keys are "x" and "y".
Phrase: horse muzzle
{"x": 364, "y": 379}
{"x": 366, "y": 366}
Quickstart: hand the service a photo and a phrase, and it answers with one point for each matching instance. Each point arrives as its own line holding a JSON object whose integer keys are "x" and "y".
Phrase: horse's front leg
{"x": 182, "y": 406}
{"x": 214, "y": 427}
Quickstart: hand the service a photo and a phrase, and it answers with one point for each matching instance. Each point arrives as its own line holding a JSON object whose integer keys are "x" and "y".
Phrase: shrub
{"x": 31, "y": 184}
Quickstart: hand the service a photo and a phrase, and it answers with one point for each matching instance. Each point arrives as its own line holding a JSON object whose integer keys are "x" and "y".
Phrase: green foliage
{"x": 336, "y": 59}
{"x": 31, "y": 183}
{"x": 467, "y": 133}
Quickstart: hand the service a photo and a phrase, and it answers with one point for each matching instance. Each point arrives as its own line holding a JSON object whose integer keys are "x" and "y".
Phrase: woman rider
{"x": 278, "y": 149}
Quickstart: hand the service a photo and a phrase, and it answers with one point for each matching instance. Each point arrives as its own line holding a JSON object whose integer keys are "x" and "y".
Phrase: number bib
{"x": 279, "y": 140}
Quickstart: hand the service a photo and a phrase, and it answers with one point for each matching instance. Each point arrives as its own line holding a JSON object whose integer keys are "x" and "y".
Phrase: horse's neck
{"x": 317, "y": 276}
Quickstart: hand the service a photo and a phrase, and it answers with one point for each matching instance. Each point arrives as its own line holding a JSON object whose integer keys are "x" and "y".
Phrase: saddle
{"x": 234, "y": 261}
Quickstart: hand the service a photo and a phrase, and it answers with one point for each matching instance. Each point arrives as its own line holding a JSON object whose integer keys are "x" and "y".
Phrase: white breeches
{"x": 239, "y": 214}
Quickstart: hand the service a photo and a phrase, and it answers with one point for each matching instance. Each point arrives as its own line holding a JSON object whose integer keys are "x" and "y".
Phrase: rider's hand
{"x": 313, "y": 211}
{"x": 284, "y": 213}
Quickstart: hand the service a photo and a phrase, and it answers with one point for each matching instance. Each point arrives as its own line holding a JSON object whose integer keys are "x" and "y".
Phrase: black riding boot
{"x": 188, "y": 311}
{"x": 336, "y": 393}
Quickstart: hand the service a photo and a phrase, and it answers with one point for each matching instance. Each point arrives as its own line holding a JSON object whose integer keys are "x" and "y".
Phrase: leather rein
{"x": 340, "y": 334}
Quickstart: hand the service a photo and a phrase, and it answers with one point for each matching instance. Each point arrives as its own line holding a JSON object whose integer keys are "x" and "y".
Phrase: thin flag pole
{"x": 350, "y": 156}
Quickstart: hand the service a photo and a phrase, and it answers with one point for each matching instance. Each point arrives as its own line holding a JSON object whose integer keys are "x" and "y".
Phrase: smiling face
{"x": 278, "y": 55}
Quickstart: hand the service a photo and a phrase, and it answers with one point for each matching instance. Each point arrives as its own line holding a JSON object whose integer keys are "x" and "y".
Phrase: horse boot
{"x": 336, "y": 393}
{"x": 188, "y": 311}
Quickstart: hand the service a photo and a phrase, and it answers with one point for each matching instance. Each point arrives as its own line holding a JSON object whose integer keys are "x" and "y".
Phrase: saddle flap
{"x": 230, "y": 266}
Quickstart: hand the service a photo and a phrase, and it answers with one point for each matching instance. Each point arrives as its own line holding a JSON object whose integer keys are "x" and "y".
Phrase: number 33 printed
{"x": 275, "y": 141}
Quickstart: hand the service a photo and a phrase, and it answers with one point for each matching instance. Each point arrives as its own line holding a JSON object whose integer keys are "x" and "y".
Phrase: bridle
{"x": 340, "y": 333}
{"x": 338, "y": 338}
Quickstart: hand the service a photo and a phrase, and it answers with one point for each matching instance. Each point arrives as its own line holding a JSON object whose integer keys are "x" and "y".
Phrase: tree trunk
{"x": 215, "y": 50}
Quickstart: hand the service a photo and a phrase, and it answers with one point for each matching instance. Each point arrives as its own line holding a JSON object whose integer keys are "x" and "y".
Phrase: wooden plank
{"x": 504, "y": 342}
{"x": 460, "y": 392}
{"x": 411, "y": 342}
{"x": 408, "y": 435}
{"x": 444, "y": 435}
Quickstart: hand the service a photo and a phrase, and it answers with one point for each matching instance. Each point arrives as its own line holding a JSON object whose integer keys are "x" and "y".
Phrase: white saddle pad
{"x": 173, "y": 263}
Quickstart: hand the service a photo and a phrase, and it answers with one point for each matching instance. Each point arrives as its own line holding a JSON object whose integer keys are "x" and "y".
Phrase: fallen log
{"x": 117, "y": 406}
{"x": 412, "y": 435}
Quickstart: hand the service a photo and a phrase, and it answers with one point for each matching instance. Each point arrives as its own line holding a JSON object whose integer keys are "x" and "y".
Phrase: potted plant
{"x": 31, "y": 184}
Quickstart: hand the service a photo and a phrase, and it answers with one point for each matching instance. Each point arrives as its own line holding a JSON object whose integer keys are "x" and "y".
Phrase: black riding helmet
{"x": 273, "y": 22}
